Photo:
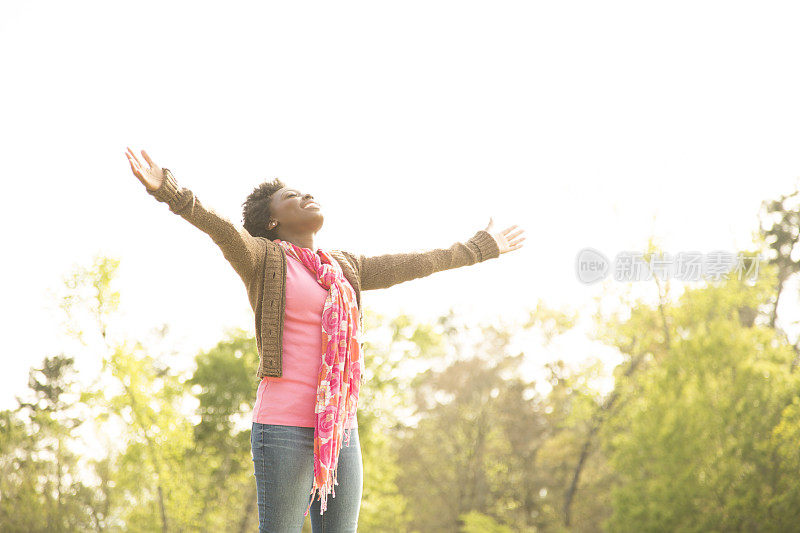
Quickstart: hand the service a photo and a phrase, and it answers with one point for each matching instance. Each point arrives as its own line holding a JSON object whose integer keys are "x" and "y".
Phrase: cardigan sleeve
{"x": 238, "y": 246}
{"x": 382, "y": 271}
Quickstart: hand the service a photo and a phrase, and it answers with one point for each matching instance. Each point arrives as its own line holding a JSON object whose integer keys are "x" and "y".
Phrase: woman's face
{"x": 295, "y": 212}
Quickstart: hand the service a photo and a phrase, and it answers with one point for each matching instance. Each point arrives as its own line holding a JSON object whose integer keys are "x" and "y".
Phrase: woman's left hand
{"x": 506, "y": 240}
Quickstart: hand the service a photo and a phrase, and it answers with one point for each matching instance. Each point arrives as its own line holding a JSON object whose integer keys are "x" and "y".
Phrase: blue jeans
{"x": 283, "y": 460}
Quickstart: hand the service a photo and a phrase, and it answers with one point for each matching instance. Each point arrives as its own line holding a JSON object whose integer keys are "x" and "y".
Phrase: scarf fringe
{"x": 329, "y": 486}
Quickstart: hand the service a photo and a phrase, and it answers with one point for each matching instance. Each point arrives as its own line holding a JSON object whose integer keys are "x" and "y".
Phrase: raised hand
{"x": 151, "y": 175}
{"x": 506, "y": 240}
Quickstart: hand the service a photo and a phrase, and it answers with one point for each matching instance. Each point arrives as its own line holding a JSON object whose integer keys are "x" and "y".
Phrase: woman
{"x": 307, "y": 305}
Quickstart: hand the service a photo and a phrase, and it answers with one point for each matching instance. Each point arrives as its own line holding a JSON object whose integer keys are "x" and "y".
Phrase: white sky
{"x": 586, "y": 123}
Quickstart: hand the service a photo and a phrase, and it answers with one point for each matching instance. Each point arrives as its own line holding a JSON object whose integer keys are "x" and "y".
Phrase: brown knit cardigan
{"x": 261, "y": 264}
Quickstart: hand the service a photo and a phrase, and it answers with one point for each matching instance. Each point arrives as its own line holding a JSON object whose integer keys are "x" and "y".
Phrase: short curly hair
{"x": 255, "y": 210}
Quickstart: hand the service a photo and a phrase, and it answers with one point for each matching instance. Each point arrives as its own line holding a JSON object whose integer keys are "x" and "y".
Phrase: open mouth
{"x": 311, "y": 205}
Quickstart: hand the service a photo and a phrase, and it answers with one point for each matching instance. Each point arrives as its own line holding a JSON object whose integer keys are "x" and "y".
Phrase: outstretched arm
{"x": 242, "y": 250}
{"x": 382, "y": 271}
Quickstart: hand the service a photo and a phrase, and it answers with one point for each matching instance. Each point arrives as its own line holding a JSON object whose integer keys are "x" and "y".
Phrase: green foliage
{"x": 697, "y": 436}
{"x": 475, "y": 522}
{"x": 40, "y": 489}
{"x": 476, "y": 437}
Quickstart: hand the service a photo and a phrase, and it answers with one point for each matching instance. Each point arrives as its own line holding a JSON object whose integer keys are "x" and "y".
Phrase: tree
{"x": 40, "y": 486}
{"x": 696, "y": 437}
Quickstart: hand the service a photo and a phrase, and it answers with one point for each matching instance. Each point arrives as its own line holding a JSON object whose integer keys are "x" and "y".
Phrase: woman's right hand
{"x": 151, "y": 175}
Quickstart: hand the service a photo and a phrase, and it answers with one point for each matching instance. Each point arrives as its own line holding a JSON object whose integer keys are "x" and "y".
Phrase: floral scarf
{"x": 340, "y": 369}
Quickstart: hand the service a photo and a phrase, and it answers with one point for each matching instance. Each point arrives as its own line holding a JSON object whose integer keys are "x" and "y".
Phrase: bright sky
{"x": 586, "y": 123}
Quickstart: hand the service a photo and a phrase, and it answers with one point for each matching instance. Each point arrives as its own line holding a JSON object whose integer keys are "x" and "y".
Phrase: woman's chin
{"x": 316, "y": 220}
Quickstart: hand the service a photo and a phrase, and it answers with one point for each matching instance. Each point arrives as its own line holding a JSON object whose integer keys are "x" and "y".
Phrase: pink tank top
{"x": 290, "y": 399}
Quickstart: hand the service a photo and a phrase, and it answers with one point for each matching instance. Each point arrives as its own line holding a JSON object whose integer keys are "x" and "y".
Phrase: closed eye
{"x": 297, "y": 194}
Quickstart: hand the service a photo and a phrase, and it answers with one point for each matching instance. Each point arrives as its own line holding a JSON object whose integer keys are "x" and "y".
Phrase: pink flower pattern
{"x": 340, "y": 366}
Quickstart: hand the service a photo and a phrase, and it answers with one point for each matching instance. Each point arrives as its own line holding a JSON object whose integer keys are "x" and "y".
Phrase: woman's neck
{"x": 302, "y": 240}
